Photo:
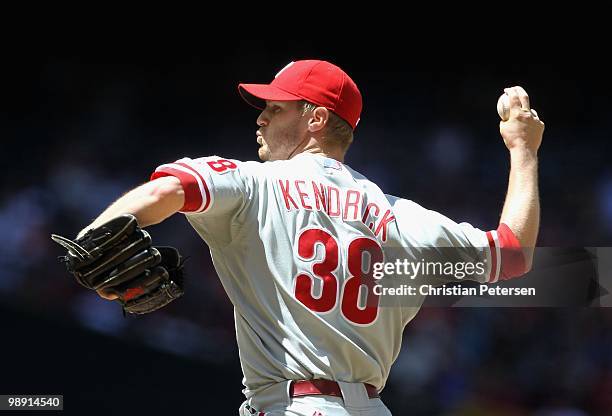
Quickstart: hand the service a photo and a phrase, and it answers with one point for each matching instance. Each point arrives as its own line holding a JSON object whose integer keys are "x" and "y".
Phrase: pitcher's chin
{"x": 264, "y": 153}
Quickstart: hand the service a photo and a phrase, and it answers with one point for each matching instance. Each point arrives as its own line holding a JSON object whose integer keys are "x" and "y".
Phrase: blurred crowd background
{"x": 80, "y": 129}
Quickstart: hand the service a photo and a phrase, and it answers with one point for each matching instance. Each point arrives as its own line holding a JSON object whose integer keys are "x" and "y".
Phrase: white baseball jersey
{"x": 293, "y": 243}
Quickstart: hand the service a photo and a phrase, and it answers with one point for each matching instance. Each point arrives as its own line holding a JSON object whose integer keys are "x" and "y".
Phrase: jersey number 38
{"x": 360, "y": 313}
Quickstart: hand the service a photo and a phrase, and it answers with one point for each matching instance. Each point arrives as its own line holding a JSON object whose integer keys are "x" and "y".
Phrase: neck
{"x": 313, "y": 147}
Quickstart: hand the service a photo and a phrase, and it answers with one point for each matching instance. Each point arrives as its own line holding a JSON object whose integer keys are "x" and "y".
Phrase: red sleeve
{"x": 197, "y": 194}
{"x": 507, "y": 259}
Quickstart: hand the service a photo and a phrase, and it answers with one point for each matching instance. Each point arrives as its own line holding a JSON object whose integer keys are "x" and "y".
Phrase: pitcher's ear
{"x": 318, "y": 119}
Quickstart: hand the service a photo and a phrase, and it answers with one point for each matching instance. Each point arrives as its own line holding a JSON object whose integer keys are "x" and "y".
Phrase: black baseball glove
{"x": 117, "y": 257}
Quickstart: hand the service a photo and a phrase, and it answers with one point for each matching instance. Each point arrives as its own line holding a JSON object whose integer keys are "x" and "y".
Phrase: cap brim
{"x": 257, "y": 94}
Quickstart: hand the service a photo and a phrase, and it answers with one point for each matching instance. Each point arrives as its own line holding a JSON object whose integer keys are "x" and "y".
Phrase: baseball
{"x": 503, "y": 107}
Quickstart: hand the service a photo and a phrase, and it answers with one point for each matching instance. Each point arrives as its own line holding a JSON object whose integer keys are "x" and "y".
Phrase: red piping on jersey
{"x": 193, "y": 195}
{"x": 513, "y": 264}
{"x": 511, "y": 259}
{"x": 493, "y": 251}
{"x": 203, "y": 183}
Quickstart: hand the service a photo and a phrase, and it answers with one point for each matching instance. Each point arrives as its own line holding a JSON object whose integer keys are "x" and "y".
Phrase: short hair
{"x": 340, "y": 132}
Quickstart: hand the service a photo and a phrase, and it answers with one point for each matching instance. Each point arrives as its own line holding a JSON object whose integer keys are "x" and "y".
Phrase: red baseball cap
{"x": 318, "y": 82}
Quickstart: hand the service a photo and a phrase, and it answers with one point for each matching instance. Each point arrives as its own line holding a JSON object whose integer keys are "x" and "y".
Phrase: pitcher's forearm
{"x": 521, "y": 211}
{"x": 150, "y": 203}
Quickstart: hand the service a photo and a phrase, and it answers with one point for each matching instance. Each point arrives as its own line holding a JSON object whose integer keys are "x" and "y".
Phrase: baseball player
{"x": 294, "y": 241}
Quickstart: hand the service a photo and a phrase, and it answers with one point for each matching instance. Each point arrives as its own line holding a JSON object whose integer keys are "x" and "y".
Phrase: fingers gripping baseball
{"x": 521, "y": 94}
{"x": 520, "y": 125}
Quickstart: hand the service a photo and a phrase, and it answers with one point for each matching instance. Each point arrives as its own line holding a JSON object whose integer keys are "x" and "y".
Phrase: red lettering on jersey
{"x": 285, "y": 192}
{"x": 354, "y": 204}
{"x": 350, "y": 298}
{"x": 221, "y": 165}
{"x": 324, "y": 270}
{"x": 302, "y": 195}
{"x": 319, "y": 195}
{"x": 333, "y": 204}
{"x": 387, "y": 218}
{"x": 350, "y": 304}
{"x": 367, "y": 213}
